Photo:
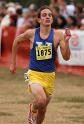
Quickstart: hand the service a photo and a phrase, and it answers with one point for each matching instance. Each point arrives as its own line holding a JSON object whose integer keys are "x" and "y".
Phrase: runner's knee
{"x": 42, "y": 102}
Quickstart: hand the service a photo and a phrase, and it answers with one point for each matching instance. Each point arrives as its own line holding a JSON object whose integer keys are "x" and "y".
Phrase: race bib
{"x": 43, "y": 52}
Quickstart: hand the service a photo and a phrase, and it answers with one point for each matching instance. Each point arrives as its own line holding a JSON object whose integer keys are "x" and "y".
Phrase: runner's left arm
{"x": 64, "y": 44}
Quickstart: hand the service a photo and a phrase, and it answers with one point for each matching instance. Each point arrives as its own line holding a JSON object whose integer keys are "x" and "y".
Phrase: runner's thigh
{"x": 38, "y": 91}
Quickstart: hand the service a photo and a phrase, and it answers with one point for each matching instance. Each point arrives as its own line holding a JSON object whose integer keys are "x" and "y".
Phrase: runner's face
{"x": 46, "y": 17}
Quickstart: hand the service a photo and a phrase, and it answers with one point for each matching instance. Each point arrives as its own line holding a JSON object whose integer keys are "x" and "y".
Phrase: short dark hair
{"x": 19, "y": 11}
{"x": 42, "y": 8}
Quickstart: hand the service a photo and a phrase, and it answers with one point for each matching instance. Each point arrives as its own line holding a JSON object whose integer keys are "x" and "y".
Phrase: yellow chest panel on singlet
{"x": 43, "y": 52}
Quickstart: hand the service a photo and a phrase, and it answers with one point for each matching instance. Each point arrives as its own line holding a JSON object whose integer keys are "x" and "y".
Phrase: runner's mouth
{"x": 48, "y": 21}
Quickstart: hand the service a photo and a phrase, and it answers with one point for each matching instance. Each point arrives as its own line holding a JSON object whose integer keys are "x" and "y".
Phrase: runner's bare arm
{"x": 21, "y": 38}
{"x": 64, "y": 44}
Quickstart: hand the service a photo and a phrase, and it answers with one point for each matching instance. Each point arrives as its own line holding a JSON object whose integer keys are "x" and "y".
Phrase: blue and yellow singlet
{"x": 43, "y": 53}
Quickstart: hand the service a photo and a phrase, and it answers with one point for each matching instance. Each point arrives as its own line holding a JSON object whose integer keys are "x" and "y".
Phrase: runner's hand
{"x": 13, "y": 69}
{"x": 67, "y": 34}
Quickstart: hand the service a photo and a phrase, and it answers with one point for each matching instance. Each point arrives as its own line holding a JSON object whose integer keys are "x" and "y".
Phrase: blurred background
{"x": 17, "y": 17}
{"x": 67, "y": 104}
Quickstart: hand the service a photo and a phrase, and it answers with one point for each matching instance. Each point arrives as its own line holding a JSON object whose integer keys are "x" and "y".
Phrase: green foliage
{"x": 76, "y": 1}
{"x": 28, "y": 2}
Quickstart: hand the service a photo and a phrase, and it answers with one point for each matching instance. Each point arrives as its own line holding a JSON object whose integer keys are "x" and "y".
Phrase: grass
{"x": 66, "y": 106}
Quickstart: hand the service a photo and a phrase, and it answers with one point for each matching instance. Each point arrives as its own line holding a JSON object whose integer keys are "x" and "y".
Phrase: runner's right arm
{"x": 21, "y": 38}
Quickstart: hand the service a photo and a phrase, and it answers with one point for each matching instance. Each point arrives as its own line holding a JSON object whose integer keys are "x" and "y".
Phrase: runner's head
{"x": 44, "y": 15}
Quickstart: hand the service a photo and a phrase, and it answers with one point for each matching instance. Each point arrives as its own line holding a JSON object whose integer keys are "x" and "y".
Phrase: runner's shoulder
{"x": 58, "y": 32}
{"x": 30, "y": 32}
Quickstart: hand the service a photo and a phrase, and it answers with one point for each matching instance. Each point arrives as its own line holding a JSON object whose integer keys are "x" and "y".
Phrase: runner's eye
{"x": 44, "y": 15}
{"x": 49, "y": 14}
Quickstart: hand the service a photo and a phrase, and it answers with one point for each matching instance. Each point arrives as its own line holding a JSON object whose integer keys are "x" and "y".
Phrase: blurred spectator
{"x": 56, "y": 2}
{"x": 64, "y": 15}
{"x": 1, "y": 17}
{"x": 33, "y": 8}
{"x": 82, "y": 24}
{"x": 71, "y": 23}
{"x": 83, "y": 13}
{"x": 6, "y": 19}
{"x": 61, "y": 22}
{"x": 79, "y": 13}
{"x": 18, "y": 6}
{"x": 35, "y": 21}
{"x": 10, "y": 4}
{"x": 27, "y": 23}
{"x": 67, "y": 10}
{"x": 13, "y": 20}
{"x": 70, "y": 10}
{"x": 4, "y": 10}
{"x": 72, "y": 2}
{"x": 25, "y": 10}
{"x": 20, "y": 18}
{"x": 63, "y": 10}
{"x": 51, "y": 5}
{"x": 55, "y": 11}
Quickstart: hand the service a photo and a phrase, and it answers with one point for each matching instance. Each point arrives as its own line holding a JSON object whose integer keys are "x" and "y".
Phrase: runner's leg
{"x": 41, "y": 101}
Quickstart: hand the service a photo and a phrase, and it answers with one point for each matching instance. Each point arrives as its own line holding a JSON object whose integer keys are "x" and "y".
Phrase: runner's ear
{"x": 39, "y": 20}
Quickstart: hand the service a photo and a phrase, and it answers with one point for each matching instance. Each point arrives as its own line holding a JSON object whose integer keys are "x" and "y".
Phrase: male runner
{"x": 44, "y": 42}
